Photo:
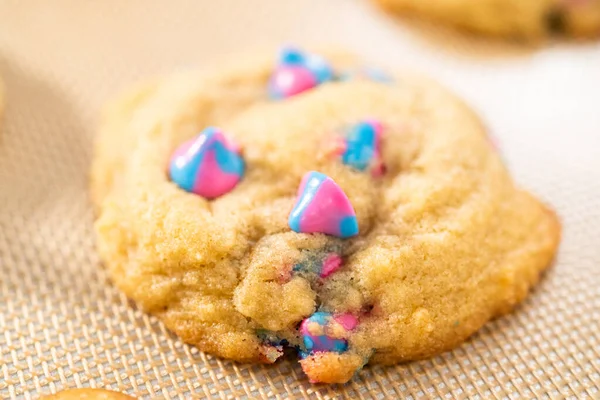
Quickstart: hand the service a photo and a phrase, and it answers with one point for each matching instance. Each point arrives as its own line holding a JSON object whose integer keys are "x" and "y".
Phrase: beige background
{"x": 63, "y": 325}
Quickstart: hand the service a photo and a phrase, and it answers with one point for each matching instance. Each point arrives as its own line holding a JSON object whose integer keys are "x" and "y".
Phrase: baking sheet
{"x": 63, "y": 325}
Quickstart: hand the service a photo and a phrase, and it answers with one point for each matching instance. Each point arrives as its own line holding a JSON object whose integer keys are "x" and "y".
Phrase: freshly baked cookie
{"x": 522, "y": 19}
{"x": 88, "y": 394}
{"x": 301, "y": 205}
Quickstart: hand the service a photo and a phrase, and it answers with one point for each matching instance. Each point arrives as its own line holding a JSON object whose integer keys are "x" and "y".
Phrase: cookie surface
{"x": 2, "y": 100}
{"x": 88, "y": 394}
{"x": 520, "y": 19}
{"x": 445, "y": 243}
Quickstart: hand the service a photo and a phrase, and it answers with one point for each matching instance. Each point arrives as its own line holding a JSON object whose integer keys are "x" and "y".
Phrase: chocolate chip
{"x": 555, "y": 21}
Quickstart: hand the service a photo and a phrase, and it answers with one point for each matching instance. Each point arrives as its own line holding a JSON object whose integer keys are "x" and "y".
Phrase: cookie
{"x": 362, "y": 220}
{"x": 88, "y": 394}
{"x": 520, "y": 19}
{"x": 2, "y": 101}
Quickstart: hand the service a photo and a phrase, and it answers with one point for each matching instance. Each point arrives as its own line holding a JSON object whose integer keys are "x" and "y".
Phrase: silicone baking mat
{"x": 63, "y": 324}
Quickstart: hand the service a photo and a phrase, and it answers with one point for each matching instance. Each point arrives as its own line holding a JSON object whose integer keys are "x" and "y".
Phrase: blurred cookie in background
{"x": 524, "y": 20}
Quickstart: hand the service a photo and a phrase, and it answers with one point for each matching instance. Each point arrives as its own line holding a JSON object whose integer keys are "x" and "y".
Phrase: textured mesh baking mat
{"x": 62, "y": 323}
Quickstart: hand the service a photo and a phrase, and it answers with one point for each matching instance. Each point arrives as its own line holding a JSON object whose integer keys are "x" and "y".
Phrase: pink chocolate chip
{"x": 331, "y": 264}
{"x": 291, "y": 80}
{"x": 348, "y": 321}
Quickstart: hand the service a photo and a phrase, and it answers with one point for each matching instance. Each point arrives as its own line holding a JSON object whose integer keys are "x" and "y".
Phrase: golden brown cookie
{"x": 521, "y": 19}
{"x": 88, "y": 394}
{"x": 407, "y": 236}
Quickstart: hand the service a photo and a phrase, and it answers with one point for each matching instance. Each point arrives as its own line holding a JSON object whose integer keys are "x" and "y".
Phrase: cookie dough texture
{"x": 447, "y": 241}
{"x": 520, "y": 19}
{"x": 88, "y": 394}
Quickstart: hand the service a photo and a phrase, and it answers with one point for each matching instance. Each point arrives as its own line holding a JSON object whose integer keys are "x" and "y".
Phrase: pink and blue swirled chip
{"x": 297, "y": 72}
{"x": 207, "y": 165}
{"x": 361, "y": 148}
{"x": 322, "y": 207}
{"x": 320, "y": 69}
{"x": 325, "y": 332}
